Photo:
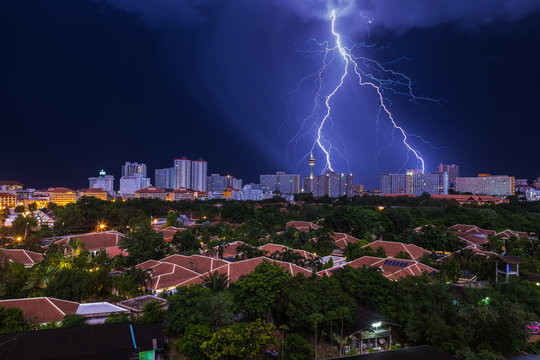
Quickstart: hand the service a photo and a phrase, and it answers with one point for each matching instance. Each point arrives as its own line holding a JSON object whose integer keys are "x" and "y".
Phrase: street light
{"x": 19, "y": 238}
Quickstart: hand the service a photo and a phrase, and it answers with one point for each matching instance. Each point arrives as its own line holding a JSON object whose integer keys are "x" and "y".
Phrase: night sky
{"x": 87, "y": 85}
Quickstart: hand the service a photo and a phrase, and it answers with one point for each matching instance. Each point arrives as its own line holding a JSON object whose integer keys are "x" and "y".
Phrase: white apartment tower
{"x": 182, "y": 173}
{"x": 199, "y": 177}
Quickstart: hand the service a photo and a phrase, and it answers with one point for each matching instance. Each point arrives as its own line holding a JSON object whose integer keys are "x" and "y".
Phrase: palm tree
{"x": 316, "y": 318}
{"x": 215, "y": 281}
{"x": 283, "y": 328}
{"x": 76, "y": 246}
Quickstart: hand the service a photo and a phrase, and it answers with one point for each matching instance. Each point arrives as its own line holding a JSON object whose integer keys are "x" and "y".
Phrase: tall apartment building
{"x": 129, "y": 169}
{"x": 331, "y": 183}
{"x": 486, "y": 184}
{"x": 415, "y": 183}
{"x": 281, "y": 182}
{"x": 182, "y": 173}
{"x": 453, "y": 173}
{"x": 216, "y": 182}
{"x": 103, "y": 181}
{"x": 199, "y": 175}
{"x": 164, "y": 178}
{"x": 132, "y": 183}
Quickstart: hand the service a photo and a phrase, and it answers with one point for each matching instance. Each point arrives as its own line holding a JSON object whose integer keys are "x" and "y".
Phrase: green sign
{"x": 147, "y": 355}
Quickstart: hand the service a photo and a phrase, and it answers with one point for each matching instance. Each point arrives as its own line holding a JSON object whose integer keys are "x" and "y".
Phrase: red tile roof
{"x": 6, "y": 194}
{"x": 471, "y": 238}
{"x": 236, "y": 270}
{"x": 43, "y": 309}
{"x": 391, "y": 268}
{"x": 25, "y": 257}
{"x": 342, "y": 239}
{"x": 169, "y": 232}
{"x": 96, "y": 240}
{"x": 302, "y": 225}
{"x": 272, "y": 248}
{"x": 59, "y": 189}
{"x": 229, "y": 250}
{"x": 473, "y": 229}
{"x": 392, "y": 248}
{"x": 10, "y": 182}
{"x": 519, "y": 234}
{"x": 150, "y": 189}
{"x": 165, "y": 275}
{"x": 197, "y": 263}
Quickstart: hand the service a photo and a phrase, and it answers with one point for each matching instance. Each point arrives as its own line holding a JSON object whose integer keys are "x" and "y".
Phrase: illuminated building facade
{"x": 129, "y": 169}
{"x": 151, "y": 192}
{"x": 199, "y": 175}
{"x": 453, "y": 173}
{"x": 485, "y": 184}
{"x": 8, "y": 200}
{"x": 413, "y": 182}
{"x": 97, "y": 193}
{"x": 61, "y": 195}
{"x": 182, "y": 173}
{"x": 281, "y": 182}
{"x": 103, "y": 181}
{"x": 164, "y": 178}
{"x": 218, "y": 183}
{"x": 10, "y": 185}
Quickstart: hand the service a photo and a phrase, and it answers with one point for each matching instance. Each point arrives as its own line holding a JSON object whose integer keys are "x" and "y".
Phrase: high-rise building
{"x": 218, "y": 182}
{"x": 331, "y": 184}
{"x": 281, "y": 182}
{"x": 182, "y": 173}
{"x": 394, "y": 184}
{"x": 453, "y": 173}
{"x": 415, "y": 183}
{"x": 434, "y": 183}
{"x": 521, "y": 185}
{"x": 129, "y": 169}
{"x": 199, "y": 175}
{"x": 164, "y": 178}
{"x": 485, "y": 184}
{"x": 103, "y": 181}
{"x": 132, "y": 183}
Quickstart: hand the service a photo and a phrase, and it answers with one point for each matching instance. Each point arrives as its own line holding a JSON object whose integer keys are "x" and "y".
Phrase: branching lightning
{"x": 369, "y": 73}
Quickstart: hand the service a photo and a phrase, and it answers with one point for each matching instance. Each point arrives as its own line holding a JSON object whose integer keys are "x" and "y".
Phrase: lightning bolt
{"x": 351, "y": 61}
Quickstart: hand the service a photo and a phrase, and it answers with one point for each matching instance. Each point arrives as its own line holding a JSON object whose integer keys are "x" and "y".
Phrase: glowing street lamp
{"x": 19, "y": 238}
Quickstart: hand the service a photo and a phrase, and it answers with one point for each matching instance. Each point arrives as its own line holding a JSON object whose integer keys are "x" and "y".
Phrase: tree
{"x": 19, "y": 209}
{"x": 152, "y": 313}
{"x": 32, "y": 206}
{"x": 190, "y": 343}
{"x": 216, "y": 281}
{"x": 13, "y": 279}
{"x": 186, "y": 241}
{"x": 132, "y": 282}
{"x": 12, "y": 321}
{"x": 297, "y": 348}
{"x": 316, "y": 318}
{"x": 144, "y": 244}
{"x": 258, "y": 291}
{"x": 188, "y": 306}
{"x": 72, "y": 320}
{"x": 74, "y": 285}
{"x": 171, "y": 219}
{"x": 220, "y": 310}
{"x": 241, "y": 341}
{"x": 117, "y": 317}
{"x": 403, "y": 255}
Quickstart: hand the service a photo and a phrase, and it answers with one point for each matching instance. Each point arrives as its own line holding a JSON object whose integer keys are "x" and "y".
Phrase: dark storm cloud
{"x": 393, "y": 15}
{"x": 162, "y": 12}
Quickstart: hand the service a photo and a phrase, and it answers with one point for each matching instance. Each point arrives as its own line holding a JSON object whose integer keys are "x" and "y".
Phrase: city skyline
{"x": 238, "y": 106}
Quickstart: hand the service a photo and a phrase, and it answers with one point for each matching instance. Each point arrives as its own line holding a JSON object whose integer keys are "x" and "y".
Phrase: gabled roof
{"x": 471, "y": 238}
{"x": 59, "y": 190}
{"x": 392, "y": 248}
{"x": 229, "y": 250}
{"x": 150, "y": 189}
{"x": 342, "y": 239}
{"x": 472, "y": 229}
{"x": 25, "y": 257}
{"x": 393, "y": 268}
{"x": 197, "y": 263}
{"x": 237, "y": 269}
{"x": 6, "y": 194}
{"x": 302, "y": 225}
{"x": 43, "y": 309}
{"x": 509, "y": 233}
{"x": 474, "y": 249}
{"x": 272, "y": 248}
{"x": 166, "y": 275}
{"x": 169, "y": 232}
{"x": 96, "y": 240}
